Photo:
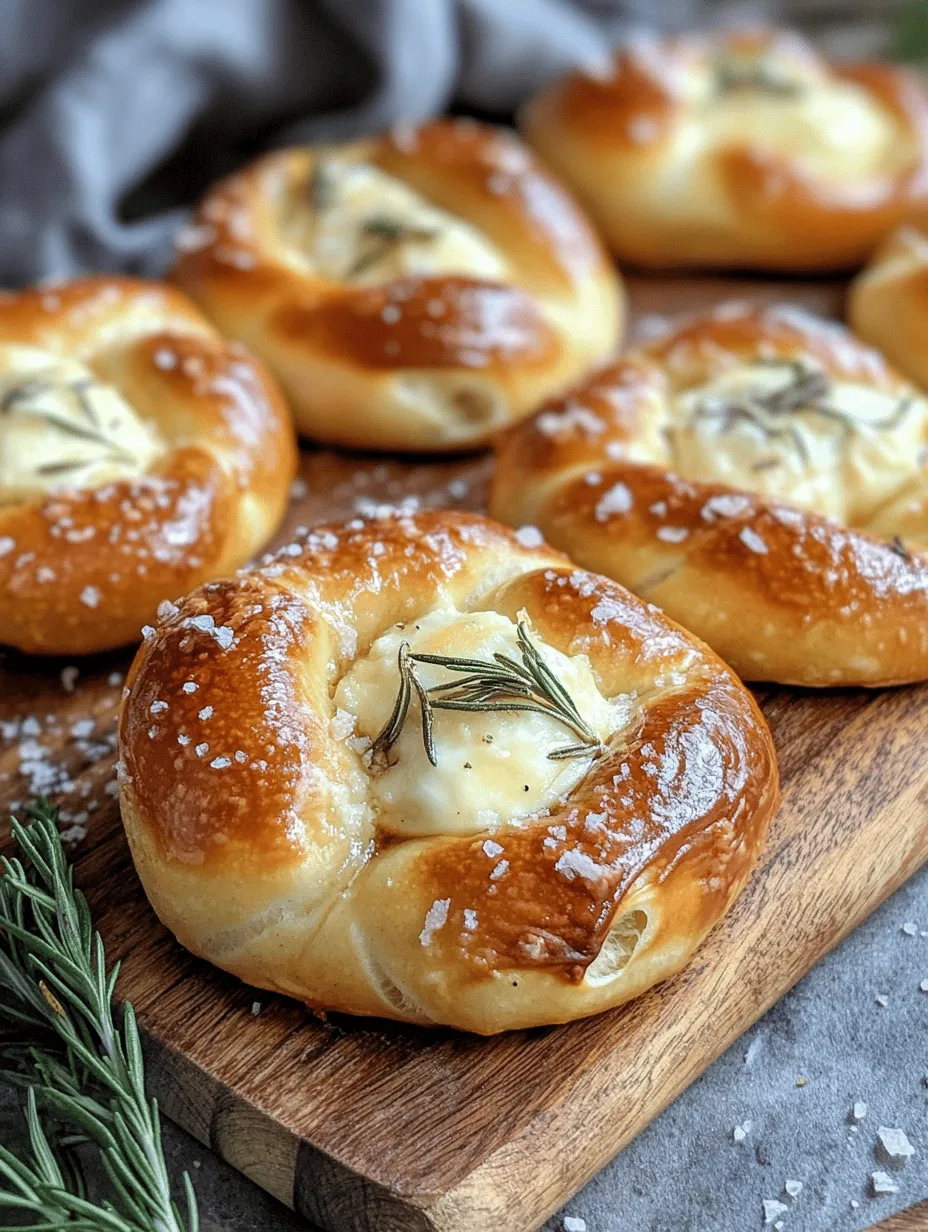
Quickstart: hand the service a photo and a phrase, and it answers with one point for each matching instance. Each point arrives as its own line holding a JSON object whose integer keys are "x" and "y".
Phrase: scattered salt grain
{"x": 910, "y": 929}
{"x": 740, "y": 1132}
{"x": 205, "y": 713}
{"x": 893, "y": 1147}
{"x": 859, "y": 1111}
{"x": 882, "y": 1001}
{"x": 492, "y": 849}
{"x": 573, "y": 1223}
{"x": 793, "y": 1188}
{"x": 924, "y": 986}
{"x": 773, "y": 1209}
{"x": 69, "y": 677}
{"x": 90, "y": 596}
{"x": 189, "y": 686}
{"x": 220, "y": 763}
{"x": 752, "y": 541}
{"x": 256, "y": 1008}
{"x": 342, "y": 724}
{"x": 530, "y": 536}
{"x": 882, "y": 1183}
{"x": 672, "y": 534}
{"x": 618, "y": 499}
{"x": 435, "y": 918}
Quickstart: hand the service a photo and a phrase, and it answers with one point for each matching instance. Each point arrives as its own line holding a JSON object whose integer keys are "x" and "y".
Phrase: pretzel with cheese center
{"x": 140, "y": 453}
{"x": 500, "y": 866}
{"x": 760, "y": 474}
{"x": 738, "y": 150}
{"x": 417, "y": 291}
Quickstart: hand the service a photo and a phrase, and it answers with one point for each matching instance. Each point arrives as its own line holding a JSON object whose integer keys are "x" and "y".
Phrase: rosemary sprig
{"x": 321, "y": 186}
{"x": 732, "y": 74}
{"x": 502, "y": 684}
{"x": 21, "y": 400}
{"x": 807, "y": 391}
{"x": 383, "y": 235}
{"x": 61, "y": 1042}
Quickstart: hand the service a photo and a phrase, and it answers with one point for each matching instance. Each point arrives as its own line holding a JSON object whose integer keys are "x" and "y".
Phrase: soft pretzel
{"x": 738, "y": 150}
{"x": 416, "y": 291}
{"x": 140, "y": 454}
{"x": 282, "y": 835}
{"x": 888, "y": 302}
{"x": 760, "y": 474}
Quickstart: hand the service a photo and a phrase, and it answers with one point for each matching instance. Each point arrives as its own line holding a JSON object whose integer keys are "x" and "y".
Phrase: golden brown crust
{"x": 83, "y": 569}
{"x": 888, "y": 302}
{"x": 347, "y": 355}
{"x": 743, "y": 201}
{"x": 444, "y": 323}
{"x": 781, "y": 593}
{"x": 251, "y": 855}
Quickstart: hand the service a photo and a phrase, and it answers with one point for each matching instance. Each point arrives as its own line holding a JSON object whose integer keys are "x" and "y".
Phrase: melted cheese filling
{"x": 493, "y": 768}
{"x": 60, "y": 426}
{"x": 844, "y": 461}
{"x": 835, "y": 130}
{"x": 362, "y": 226}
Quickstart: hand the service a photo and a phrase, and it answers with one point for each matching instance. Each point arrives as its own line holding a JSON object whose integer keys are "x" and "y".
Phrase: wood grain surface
{"x": 377, "y": 1127}
{"x": 915, "y": 1219}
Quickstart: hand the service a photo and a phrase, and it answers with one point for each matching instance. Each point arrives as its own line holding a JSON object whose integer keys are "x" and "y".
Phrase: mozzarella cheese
{"x": 369, "y": 227}
{"x": 493, "y": 767}
{"x": 843, "y": 467}
{"x": 60, "y": 426}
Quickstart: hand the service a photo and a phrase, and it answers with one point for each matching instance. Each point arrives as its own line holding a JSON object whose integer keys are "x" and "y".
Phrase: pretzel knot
{"x": 140, "y": 454}
{"x": 738, "y": 149}
{"x": 508, "y": 882}
{"x": 417, "y": 291}
{"x": 760, "y": 474}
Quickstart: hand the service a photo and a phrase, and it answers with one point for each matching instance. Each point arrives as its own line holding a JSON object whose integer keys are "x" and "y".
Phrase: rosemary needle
{"x": 500, "y": 684}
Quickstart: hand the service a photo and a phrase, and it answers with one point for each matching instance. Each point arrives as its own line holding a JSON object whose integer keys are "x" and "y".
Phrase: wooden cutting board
{"x": 376, "y": 1127}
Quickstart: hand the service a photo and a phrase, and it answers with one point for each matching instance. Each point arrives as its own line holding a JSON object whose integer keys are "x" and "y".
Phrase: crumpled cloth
{"x": 115, "y": 115}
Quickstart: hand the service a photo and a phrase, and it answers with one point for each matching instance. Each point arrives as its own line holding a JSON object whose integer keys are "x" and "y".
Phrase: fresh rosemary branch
{"x": 384, "y": 235}
{"x": 59, "y": 1039}
{"x": 502, "y": 684}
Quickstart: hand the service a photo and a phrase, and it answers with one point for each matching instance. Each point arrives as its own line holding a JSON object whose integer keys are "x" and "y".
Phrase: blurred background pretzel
{"x": 738, "y": 150}
{"x": 140, "y": 453}
{"x": 416, "y": 291}
{"x": 760, "y": 474}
